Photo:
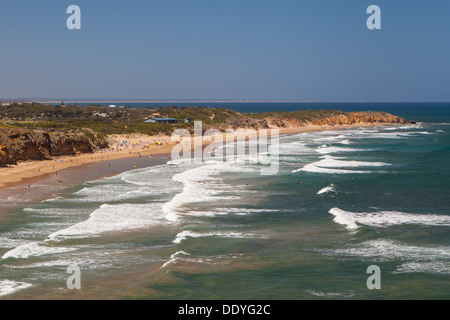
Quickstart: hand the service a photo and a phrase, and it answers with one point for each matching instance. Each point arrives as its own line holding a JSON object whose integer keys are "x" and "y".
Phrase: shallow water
{"x": 342, "y": 201}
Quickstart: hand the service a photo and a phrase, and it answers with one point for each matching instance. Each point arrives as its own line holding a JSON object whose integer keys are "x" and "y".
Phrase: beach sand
{"x": 137, "y": 146}
{"x": 46, "y": 185}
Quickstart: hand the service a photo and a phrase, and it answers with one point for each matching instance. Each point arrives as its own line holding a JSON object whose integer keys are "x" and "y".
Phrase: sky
{"x": 316, "y": 50}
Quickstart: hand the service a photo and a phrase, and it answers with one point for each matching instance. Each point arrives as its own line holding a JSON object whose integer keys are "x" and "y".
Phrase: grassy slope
{"x": 126, "y": 120}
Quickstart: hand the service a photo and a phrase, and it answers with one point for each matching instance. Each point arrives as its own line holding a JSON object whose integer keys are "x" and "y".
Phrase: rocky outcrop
{"x": 358, "y": 117}
{"x": 21, "y": 145}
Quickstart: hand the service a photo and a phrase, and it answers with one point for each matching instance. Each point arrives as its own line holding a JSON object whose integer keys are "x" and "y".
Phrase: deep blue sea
{"x": 342, "y": 201}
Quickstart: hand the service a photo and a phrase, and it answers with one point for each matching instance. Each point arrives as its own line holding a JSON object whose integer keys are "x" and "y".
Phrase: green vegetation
{"x": 299, "y": 115}
{"x": 104, "y": 120}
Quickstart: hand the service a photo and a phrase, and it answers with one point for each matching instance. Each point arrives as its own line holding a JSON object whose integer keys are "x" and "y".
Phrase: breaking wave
{"x": 352, "y": 220}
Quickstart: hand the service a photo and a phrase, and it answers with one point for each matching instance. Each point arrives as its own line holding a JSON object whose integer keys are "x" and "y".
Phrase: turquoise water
{"x": 342, "y": 201}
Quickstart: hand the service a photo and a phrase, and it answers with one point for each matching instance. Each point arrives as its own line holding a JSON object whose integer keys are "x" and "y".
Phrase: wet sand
{"x": 124, "y": 283}
{"x": 137, "y": 145}
{"x": 33, "y": 181}
{"x": 35, "y": 189}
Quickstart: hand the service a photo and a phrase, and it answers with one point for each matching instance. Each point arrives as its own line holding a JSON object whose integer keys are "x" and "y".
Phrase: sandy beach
{"x": 122, "y": 147}
{"x": 135, "y": 146}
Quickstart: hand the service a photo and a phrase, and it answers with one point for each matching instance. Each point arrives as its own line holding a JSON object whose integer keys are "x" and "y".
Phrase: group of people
{"x": 130, "y": 145}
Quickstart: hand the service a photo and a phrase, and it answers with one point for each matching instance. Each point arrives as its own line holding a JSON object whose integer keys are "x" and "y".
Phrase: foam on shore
{"x": 190, "y": 234}
{"x": 113, "y": 218}
{"x": 8, "y": 287}
{"x": 35, "y": 249}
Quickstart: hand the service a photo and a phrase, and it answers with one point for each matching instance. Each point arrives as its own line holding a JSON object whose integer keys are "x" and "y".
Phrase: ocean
{"x": 342, "y": 201}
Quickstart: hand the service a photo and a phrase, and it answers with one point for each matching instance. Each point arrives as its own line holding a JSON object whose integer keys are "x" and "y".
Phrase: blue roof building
{"x": 161, "y": 120}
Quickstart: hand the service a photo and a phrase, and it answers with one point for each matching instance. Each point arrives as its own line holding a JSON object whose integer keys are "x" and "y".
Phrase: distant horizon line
{"x": 208, "y": 101}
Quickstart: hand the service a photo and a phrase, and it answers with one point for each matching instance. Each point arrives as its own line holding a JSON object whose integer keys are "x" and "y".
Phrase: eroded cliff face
{"x": 21, "y": 145}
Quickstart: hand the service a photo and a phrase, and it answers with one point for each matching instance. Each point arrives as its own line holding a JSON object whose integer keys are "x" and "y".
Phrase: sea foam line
{"x": 113, "y": 218}
{"x": 388, "y": 250}
{"x": 174, "y": 258}
{"x": 433, "y": 267}
{"x": 197, "y": 186}
{"x": 351, "y": 220}
{"x": 328, "y": 149}
{"x": 190, "y": 234}
{"x": 9, "y": 286}
{"x": 327, "y": 189}
{"x": 333, "y": 165}
{"x": 35, "y": 249}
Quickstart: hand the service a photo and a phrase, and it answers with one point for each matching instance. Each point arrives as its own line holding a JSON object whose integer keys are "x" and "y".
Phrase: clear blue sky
{"x": 226, "y": 49}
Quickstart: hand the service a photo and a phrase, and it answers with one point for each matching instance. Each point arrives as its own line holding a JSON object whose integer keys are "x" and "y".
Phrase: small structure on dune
{"x": 161, "y": 120}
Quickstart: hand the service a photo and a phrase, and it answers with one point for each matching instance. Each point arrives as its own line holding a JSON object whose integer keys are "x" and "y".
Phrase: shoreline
{"x": 138, "y": 146}
{"x": 30, "y": 170}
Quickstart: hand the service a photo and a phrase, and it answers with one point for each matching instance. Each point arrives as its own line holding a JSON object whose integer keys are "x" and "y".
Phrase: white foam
{"x": 225, "y": 211}
{"x": 312, "y": 167}
{"x": 327, "y": 189}
{"x": 104, "y": 193}
{"x": 193, "y": 190}
{"x": 392, "y": 135}
{"x": 174, "y": 258}
{"x": 7, "y": 242}
{"x": 57, "y": 212}
{"x": 434, "y": 267}
{"x": 147, "y": 176}
{"x": 327, "y": 150}
{"x": 333, "y": 163}
{"x": 386, "y": 250}
{"x": 327, "y": 156}
{"x": 199, "y": 186}
{"x": 190, "y": 234}
{"x": 9, "y": 286}
{"x": 342, "y": 217}
{"x": 295, "y": 148}
{"x": 113, "y": 218}
{"x": 53, "y": 199}
{"x": 35, "y": 249}
{"x": 332, "y": 138}
{"x": 407, "y": 127}
{"x": 180, "y": 162}
{"x": 245, "y": 211}
{"x": 330, "y": 294}
{"x": 386, "y": 218}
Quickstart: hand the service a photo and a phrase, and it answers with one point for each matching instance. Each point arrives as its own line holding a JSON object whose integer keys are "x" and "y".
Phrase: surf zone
{"x": 245, "y": 145}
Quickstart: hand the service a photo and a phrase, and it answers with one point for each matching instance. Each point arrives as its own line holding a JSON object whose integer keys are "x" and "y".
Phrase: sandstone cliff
{"x": 21, "y": 145}
{"x": 295, "y": 120}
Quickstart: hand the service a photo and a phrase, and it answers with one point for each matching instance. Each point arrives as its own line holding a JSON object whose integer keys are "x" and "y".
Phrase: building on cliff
{"x": 161, "y": 120}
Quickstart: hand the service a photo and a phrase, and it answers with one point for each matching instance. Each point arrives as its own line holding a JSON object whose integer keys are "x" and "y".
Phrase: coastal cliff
{"x": 297, "y": 119}
{"x": 21, "y": 145}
